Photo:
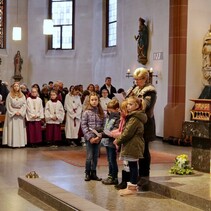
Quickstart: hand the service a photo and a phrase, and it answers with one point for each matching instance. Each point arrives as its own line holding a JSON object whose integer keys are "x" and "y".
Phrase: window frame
{"x": 107, "y": 26}
{"x": 50, "y": 38}
{"x": 4, "y": 23}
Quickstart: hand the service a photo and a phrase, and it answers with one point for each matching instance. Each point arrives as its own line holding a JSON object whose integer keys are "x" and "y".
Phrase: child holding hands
{"x": 132, "y": 142}
{"x": 112, "y": 122}
{"x": 115, "y": 134}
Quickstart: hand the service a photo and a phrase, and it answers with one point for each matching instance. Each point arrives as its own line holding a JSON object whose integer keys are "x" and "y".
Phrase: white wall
{"x": 116, "y": 61}
{"x": 90, "y": 62}
{"x": 16, "y": 16}
{"x": 199, "y": 20}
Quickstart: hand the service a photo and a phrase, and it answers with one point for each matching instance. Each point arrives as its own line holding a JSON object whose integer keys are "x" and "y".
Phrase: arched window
{"x": 2, "y": 24}
{"x": 111, "y": 23}
{"x": 62, "y": 14}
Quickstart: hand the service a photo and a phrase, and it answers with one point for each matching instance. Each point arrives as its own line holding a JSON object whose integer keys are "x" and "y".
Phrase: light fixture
{"x": 16, "y": 31}
{"x": 151, "y": 75}
{"x": 47, "y": 26}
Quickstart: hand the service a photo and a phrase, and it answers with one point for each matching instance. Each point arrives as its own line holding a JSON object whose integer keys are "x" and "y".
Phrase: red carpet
{"x": 77, "y": 157}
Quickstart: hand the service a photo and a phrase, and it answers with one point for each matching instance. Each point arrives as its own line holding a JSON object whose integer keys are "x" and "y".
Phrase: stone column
{"x": 174, "y": 112}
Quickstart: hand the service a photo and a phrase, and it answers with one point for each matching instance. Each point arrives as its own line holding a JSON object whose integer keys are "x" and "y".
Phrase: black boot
{"x": 125, "y": 179}
{"x": 94, "y": 176}
{"x": 87, "y": 176}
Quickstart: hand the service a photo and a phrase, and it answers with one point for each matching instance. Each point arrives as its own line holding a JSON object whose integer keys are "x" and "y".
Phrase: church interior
{"x": 179, "y": 58}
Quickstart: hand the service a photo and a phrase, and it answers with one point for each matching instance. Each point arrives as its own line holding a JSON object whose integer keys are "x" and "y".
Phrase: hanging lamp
{"x": 16, "y": 31}
{"x": 47, "y": 26}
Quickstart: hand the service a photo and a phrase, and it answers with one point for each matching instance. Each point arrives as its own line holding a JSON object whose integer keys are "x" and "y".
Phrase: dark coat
{"x": 131, "y": 139}
{"x": 111, "y": 94}
{"x": 149, "y": 95}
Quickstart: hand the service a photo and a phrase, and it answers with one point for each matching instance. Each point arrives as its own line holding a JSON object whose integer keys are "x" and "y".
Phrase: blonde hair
{"x": 141, "y": 73}
{"x": 12, "y": 92}
{"x": 113, "y": 104}
{"x": 123, "y": 106}
{"x": 136, "y": 100}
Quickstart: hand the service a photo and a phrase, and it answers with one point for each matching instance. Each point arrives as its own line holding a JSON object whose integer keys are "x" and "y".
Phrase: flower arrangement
{"x": 181, "y": 166}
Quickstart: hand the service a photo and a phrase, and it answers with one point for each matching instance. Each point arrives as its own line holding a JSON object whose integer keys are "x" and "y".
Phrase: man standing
{"x": 111, "y": 89}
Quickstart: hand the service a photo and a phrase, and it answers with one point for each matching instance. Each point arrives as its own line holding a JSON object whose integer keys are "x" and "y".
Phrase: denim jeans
{"x": 112, "y": 163}
{"x": 92, "y": 154}
{"x": 133, "y": 165}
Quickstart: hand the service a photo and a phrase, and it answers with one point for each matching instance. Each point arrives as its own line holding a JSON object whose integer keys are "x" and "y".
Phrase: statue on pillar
{"x": 206, "y": 53}
{"x": 142, "y": 42}
{"x": 18, "y": 61}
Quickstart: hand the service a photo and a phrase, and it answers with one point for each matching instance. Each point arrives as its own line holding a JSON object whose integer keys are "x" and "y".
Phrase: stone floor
{"x": 18, "y": 162}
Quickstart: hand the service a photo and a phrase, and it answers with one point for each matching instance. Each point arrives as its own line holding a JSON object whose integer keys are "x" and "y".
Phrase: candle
{"x": 128, "y": 71}
{"x": 151, "y": 70}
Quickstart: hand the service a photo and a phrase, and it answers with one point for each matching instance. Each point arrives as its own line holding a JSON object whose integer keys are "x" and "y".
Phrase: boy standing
{"x": 112, "y": 122}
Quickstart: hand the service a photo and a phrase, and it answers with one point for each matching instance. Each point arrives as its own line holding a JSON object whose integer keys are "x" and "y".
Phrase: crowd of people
{"x": 94, "y": 114}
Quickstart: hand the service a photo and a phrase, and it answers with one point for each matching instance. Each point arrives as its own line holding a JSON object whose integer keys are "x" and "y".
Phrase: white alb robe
{"x": 73, "y": 109}
{"x": 34, "y": 107}
{"x": 14, "y": 131}
{"x": 54, "y": 109}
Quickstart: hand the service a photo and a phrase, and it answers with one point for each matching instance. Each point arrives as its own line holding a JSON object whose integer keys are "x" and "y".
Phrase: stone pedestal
{"x": 17, "y": 78}
{"x": 201, "y": 144}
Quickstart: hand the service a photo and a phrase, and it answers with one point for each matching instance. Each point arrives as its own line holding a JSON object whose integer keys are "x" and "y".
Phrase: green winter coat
{"x": 131, "y": 138}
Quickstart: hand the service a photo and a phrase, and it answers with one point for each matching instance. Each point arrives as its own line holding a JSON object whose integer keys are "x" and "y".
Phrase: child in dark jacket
{"x": 112, "y": 123}
{"x": 92, "y": 123}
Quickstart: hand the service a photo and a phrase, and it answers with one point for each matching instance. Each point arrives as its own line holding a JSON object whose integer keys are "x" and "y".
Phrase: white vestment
{"x": 54, "y": 109}
{"x": 34, "y": 107}
{"x": 14, "y": 132}
{"x": 73, "y": 109}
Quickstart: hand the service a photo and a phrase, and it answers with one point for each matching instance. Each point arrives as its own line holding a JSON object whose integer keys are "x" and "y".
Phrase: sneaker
{"x": 110, "y": 181}
{"x": 108, "y": 178}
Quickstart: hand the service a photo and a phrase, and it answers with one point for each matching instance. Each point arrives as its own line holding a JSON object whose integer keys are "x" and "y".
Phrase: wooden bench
{"x": 2, "y": 119}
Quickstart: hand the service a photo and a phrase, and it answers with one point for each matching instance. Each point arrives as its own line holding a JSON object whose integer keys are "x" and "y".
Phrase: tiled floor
{"x": 18, "y": 162}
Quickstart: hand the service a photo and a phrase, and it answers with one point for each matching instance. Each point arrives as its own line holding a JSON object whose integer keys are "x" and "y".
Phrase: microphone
{"x": 129, "y": 92}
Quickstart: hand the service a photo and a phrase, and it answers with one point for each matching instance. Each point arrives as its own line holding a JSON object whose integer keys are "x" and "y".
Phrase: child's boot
{"x": 125, "y": 179}
{"x": 130, "y": 190}
{"x": 94, "y": 176}
{"x": 87, "y": 176}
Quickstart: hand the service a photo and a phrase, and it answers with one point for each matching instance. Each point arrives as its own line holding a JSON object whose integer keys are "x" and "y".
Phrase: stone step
{"x": 56, "y": 197}
{"x": 61, "y": 199}
{"x": 193, "y": 190}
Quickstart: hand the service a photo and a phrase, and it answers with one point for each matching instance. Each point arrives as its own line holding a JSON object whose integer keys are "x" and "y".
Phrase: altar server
{"x": 54, "y": 116}
{"x": 34, "y": 116}
{"x": 73, "y": 109}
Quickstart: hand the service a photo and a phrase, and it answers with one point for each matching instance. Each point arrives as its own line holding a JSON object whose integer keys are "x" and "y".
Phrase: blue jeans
{"x": 92, "y": 153}
{"x": 133, "y": 165}
{"x": 112, "y": 163}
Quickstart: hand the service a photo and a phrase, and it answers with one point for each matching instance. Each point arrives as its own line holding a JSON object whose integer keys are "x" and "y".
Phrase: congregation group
{"x": 95, "y": 114}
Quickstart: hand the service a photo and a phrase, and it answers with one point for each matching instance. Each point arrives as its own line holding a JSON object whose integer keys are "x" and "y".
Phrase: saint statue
{"x": 142, "y": 42}
{"x": 18, "y": 61}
